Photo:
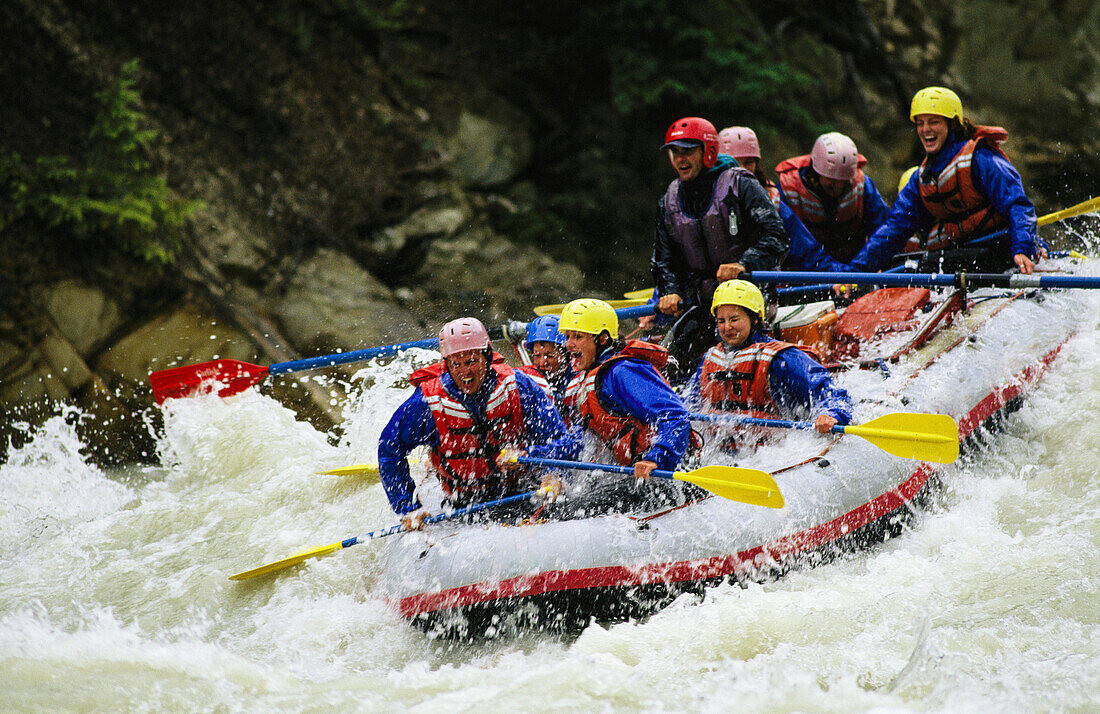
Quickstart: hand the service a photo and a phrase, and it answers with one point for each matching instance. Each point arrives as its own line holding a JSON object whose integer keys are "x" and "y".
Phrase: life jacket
{"x": 627, "y": 437}
{"x": 737, "y": 380}
{"x": 773, "y": 191}
{"x": 714, "y": 238}
{"x": 959, "y": 209}
{"x": 468, "y": 443}
{"x": 840, "y": 233}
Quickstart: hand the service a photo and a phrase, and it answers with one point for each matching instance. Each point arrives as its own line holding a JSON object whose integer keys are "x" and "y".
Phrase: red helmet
{"x": 693, "y": 131}
{"x": 835, "y": 156}
{"x": 462, "y": 335}
{"x": 739, "y": 142}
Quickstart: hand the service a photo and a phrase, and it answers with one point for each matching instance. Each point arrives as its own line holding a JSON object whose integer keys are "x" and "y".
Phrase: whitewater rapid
{"x": 114, "y": 591}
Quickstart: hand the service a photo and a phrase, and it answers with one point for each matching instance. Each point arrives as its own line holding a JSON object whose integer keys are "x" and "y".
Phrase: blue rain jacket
{"x": 412, "y": 425}
{"x": 799, "y": 384}
{"x": 994, "y": 176}
{"x": 633, "y": 387}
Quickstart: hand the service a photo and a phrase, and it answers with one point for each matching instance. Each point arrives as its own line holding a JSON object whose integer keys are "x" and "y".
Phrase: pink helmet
{"x": 462, "y": 335}
{"x": 739, "y": 142}
{"x": 835, "y": 156}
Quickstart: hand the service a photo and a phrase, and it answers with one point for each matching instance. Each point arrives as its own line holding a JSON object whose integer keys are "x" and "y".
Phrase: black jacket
{"x": 761, "y": 233}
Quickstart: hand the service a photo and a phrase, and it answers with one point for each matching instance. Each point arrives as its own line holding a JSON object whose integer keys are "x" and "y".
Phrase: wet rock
{"x": 399, "y": 250}
{"x": 485, "y": 153}
{"x": 85, "y": 315}
{"x": 479, "y": 272}
{"x": 331, "y": 302}
{"x": 185, "y": 335}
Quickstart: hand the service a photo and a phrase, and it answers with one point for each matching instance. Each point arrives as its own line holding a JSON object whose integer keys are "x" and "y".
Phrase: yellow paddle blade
{"x": 643, "y": 294}
{"x": 928, "y": 437}
{"x": 353, "y": 470}
{"x": 615, "y": 304}
{"x": 1093, "y": 204}
{"x": 288, "y": 562}
{"x": 744, "y": 485}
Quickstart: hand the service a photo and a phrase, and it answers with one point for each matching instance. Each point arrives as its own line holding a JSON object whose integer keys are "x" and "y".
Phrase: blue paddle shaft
{"x": 439, "y": 517}
{"x": 928, "y": 279}
{"x": 431, "y": 343}
{"x": 585, "y": 466}
{"x": 754, "y": 421}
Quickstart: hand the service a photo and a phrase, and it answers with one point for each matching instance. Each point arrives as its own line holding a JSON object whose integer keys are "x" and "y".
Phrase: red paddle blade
{"x": 233, "y": 375}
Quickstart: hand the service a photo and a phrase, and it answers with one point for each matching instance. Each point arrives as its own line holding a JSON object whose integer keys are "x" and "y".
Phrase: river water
{"x": 114, "y": 597}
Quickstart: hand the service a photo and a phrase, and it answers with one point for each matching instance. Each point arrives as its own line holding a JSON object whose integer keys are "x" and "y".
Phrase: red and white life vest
{"x": 737, "y": 380}
{"x": 627, "y": 438}
{"x": 539, "y": 378}
{"x": 959, "y": 209}
{"x": 464, "y": 458}
{"x": 841, "y": 233}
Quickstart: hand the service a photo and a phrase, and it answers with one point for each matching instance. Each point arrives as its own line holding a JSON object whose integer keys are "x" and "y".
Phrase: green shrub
{"x": 111, "y": 192}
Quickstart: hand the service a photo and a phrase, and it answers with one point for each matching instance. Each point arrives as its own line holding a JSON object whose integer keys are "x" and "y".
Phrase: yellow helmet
{"x": 738, "y": 292}
{"x": 590, "y": 316}
{"x": 906, "y": 176}
{"x": 936, "y": 100}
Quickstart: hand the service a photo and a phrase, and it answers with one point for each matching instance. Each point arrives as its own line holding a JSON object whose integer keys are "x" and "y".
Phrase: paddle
{"x": 928, "y": 437}
{"x": 369, "y": 470}
{"x": 643, "y": 294}
{"x": 960, "y": 280}
{"x": 373, "y": 535}
{"x": 556, "y": 308}
{"x": 750, "y": 486}
{"x": 235, "y": 376}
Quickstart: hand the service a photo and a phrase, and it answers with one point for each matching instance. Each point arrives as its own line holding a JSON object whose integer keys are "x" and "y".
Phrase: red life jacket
{"x": 737, "y": 380}
{"x": 841, "y": 233}
{"x": 626, "y": 437}
{"x": 463, "y": 460}
{"x": 958, "y": 208}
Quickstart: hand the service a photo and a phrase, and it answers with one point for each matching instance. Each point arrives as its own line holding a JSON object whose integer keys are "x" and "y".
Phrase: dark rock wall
{"x": 371, "y": 169}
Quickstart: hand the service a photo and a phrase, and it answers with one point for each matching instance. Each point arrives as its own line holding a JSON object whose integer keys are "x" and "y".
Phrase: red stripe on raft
{"x": 720, "y": 566}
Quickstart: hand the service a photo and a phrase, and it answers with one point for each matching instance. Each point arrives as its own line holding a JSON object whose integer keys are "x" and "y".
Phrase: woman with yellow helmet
{"x": 965, "y": 189}
{"x": 618, "y": 396}
{"x": 750, "y": 373}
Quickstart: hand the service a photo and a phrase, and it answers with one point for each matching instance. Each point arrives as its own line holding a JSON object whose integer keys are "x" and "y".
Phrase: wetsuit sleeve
{"x": 666, "y": 263}
{"x": 409, "y": 427}
{"x": 633, "y": 387}
{"x": 806, "y": 253}
{"x": 801, "y": 385}
{"x": 905, "y": 218}
{"x": 875, "y": 209}
{"x": 772, "y": 242}
{"x": 540, "y": 416}
{"x": 1001, "y": 183}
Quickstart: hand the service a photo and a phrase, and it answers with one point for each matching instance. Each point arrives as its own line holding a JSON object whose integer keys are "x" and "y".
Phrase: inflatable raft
{"x": 841, "y": 493}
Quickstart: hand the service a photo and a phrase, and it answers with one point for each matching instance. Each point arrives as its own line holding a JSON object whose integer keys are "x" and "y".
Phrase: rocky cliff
{"x": 369, "y": 169}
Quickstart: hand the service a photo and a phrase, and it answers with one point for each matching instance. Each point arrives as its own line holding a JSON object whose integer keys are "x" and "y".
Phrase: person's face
{"x": 581, "y": 347}
{"x": 932, "y": 130}
{"x": 748, "y": 163}
{"x": 468, "y": 370}
{"x": 734, "y": 324}
{"x": 833, "y": 187}
{"x": 687, "y": 162}
{"x": 547, "y": 358}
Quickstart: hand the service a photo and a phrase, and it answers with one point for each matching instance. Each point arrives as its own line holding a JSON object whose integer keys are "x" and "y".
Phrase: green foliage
{"x": 659, "y": 54}
{"x": 111, "y": 192}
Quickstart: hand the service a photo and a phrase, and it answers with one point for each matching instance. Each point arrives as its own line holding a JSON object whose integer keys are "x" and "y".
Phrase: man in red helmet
{"x": 467, "y": 408}
{"x": 831, "y": 195}
{"x": 714, "y": 222}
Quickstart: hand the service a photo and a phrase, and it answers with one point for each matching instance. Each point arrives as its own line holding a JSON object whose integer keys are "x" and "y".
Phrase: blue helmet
{"x": 544, "y": 329}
